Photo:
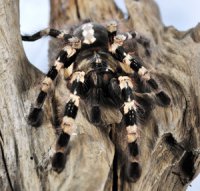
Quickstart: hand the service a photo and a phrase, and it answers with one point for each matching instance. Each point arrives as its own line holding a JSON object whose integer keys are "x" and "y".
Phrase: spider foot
{"x": 163, "y": 99}
{"x": 148, "y": 52}
{"x": 35, "y": 117}
{"x": 58, "y": 162}
{"x": 133, "y": 171}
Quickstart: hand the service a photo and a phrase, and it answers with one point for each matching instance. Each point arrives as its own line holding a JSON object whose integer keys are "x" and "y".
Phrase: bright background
{"x": 34, "y": 16}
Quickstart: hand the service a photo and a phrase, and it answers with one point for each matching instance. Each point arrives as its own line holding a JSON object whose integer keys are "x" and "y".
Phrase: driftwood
{"x": 170, "y": 141}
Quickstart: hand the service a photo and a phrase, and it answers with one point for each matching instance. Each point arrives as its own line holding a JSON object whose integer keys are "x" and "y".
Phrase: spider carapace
{"x": 98, "y": 53}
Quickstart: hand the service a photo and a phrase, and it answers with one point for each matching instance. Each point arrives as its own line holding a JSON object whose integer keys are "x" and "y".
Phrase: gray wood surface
{"x": 169, "y": 142}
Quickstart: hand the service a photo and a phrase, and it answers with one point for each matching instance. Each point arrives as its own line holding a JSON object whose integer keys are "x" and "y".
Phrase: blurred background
{"x": 182, "y": 14}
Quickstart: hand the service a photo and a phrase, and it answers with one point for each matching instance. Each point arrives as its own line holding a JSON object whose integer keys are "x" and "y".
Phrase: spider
{"x": 98, "y": 54}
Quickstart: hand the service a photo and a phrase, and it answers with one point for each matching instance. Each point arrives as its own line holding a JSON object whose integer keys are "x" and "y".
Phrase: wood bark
{"x": 169, "y": 143}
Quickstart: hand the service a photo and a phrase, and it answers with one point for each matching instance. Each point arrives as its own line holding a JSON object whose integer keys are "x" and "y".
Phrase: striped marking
{"x": 40, "y": 99}
{"x": 51, "y": 32}
{"x": 52, "y": 73}
{"x": 119, "y": 39}
{"x": 113, "y": 48}
{"x": 61, "y": 35}
{"x": 118, "y": 42}
{"x": 69, "y": 50}
{"x": 68, "y": 125}
{"x": 98, "y": 59}
{"x": 45, "y": 32}
{"x": 59, "y": 149}
{"x": 78, "y": 76}
{"x": 62, "y": 141}
{"x": 112, "y": 30}
{"x": 58, "y": 34}
{"x": 46, "y": 84}
{"x": 66, "y": 57}
{"x": 129, "y": 36}
{"x": 136, "y": 35}
{"x": 130, "y": 109}
{"x": 75, "y": 99}
{"x": 88, "y": 33}
{"x": 127, "y": 59}
{"x": 128, "y": 106}
{"x": 143, "y": 72}
{"x": 71, "y": 107}
{"x": 68, "y": 71}
{"x": 77, "y": 83}
{"x": 58, "y": 65}
{"x": 117, "y": 49}
{"x": 125, "y": 82}
{"x": 131, "y": 62}
{"x": 135, "y": 65}
{"x": 132, "y": 133}
{"x": 131, "y": 129}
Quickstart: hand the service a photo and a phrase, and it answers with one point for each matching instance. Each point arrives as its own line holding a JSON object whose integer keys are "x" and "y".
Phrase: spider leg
{"x": 67, "y": 124}
{"x": 56, "y": 118}
{"x": 120, "y": 54}
{"x": 112, "y": 30}
{"x": 112, "y": 27}
{"x": 47, "y": 32}
{"x": 130, "y": 107}
{"x": 141, "y": 40}
{"x": 64, "y": 59}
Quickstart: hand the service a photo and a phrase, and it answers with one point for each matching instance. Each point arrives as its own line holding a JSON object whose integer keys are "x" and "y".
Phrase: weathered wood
{"x": 170, "y": 141}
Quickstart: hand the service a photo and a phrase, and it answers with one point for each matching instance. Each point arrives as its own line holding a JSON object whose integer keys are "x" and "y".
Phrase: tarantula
{"x": 97, "y": 54}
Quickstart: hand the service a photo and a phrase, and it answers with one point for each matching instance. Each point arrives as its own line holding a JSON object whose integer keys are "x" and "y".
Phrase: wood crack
{"x": 6, "y": 168}
{"x": 1, "y": 138}
{"x": 77, "y": 10}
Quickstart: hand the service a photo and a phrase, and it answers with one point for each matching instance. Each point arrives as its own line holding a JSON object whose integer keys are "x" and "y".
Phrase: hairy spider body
{"x": 97, "y": 54}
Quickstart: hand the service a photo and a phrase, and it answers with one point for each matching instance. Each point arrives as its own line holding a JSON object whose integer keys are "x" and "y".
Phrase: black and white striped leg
{"x": 47, "y": 32}
{"x": 112, "y": 30}
{"x": 132, "y": 168}
{"x": 64, "y": 59}
{"x": 162, "y": 97}
{"x": 118, "y": 51}
{"x": 36, "y": 113}
{"x": 67, "y": 125}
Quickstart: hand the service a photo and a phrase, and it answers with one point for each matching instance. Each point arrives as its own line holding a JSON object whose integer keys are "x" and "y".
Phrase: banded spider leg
{"x": 120, "y": 54}
{"x": 47, "y": 32}
{"x": 64, "y": 59}
{"x": 130, "y": 109}
{"x": 67, "y": 125}
{"x": 112, "y": 28}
